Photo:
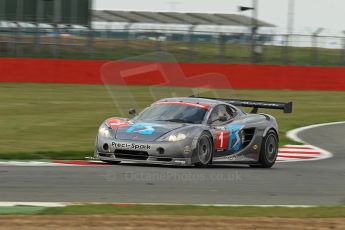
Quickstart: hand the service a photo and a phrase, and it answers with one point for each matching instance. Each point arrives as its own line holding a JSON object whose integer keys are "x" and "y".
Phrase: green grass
{"x": 22, "y": 210}
{"x": 191, "y": 210}
{"x": 60, "y": 121}
{"x": 180, "y": 210}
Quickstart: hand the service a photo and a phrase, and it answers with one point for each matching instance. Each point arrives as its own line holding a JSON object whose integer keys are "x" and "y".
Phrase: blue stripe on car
{"x": 141, "y": 128}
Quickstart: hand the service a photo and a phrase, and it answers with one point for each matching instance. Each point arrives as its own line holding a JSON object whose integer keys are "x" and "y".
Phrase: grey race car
{"x": 193, "y": 131}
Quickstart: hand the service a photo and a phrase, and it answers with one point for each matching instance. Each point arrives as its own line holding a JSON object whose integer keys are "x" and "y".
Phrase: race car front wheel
{"x": 204, "y": 150}
{"x": 269, "y": 151}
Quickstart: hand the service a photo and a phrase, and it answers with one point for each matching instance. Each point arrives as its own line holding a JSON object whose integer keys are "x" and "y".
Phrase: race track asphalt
{"x": 294, "y": 183}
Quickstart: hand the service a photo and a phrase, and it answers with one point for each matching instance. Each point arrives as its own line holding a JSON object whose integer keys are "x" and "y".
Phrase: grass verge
{"x": 194, "y": 210}
{"x": 21, "y": 210}
{"x": 60, "y": 121}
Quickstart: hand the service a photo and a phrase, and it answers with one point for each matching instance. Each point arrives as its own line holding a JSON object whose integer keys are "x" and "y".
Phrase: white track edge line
{"x": 35, "y": 204}
{"x": 64, "y": 204}
{"x": 293, "y": 135}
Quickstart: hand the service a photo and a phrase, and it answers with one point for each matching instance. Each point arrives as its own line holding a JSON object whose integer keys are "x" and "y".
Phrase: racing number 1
{"x": 222, "y": 139}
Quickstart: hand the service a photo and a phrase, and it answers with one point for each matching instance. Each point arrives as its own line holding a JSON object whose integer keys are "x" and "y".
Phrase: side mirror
{"x": 132, "y": 112}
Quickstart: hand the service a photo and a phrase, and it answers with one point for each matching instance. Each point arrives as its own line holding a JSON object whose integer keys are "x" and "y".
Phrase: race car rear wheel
{"x": 269, "y": 150}
{"x": 204, "y": 150}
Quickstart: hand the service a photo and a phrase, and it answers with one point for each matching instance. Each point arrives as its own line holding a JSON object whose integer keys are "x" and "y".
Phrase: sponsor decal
{"x": 234, "y": 137}
{"x": 115, "y": 123}
{"x": 220, "y": 128}
{"x": 141, "y": 128}
{"x": 131, "y": 146}
{"x": 235, "y": 158}
{"x": 228, "y": 138}
{"x": 187, "y": 149}
{"x": 230, "y": 158}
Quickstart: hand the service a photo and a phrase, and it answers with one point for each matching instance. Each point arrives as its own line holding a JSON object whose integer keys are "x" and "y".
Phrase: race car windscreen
{"x": 174, "y": 113}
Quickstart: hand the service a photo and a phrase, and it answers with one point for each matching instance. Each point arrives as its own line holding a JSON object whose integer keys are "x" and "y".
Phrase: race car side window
{"x": 218, "y": 112}
{"x": 231, "y": 111}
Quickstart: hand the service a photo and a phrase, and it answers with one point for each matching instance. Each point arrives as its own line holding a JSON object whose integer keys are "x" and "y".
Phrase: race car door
{"x": 226, "y": 135}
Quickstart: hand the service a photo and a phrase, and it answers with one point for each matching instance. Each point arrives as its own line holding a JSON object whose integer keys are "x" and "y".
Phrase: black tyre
{"x": 113, "y": 162}
{"x": 204, "y": 150}
{"x": 269, "y": 151}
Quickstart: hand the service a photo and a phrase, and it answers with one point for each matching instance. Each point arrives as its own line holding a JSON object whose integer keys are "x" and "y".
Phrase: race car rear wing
{"x": 286, "y": 107}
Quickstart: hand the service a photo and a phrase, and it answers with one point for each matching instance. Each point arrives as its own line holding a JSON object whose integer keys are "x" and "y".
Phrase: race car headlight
{"x": 176, "y": 137}
{"x": 104, "y": 131}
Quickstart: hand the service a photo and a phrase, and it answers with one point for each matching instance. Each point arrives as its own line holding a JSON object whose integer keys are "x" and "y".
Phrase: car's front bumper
{"x": 165, "y": 153}
{"x": 150, "y": 160}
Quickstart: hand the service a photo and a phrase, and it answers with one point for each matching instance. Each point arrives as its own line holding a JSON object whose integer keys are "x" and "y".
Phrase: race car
{"x": 193, "y": 131}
